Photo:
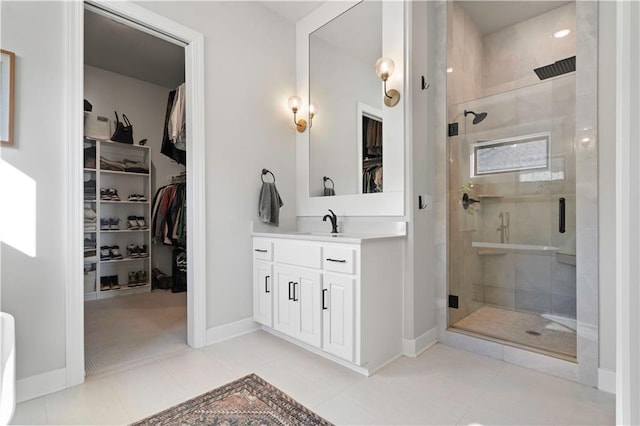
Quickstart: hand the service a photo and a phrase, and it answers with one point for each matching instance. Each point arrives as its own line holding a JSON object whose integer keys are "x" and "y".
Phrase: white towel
{"x": 269, "y": 204}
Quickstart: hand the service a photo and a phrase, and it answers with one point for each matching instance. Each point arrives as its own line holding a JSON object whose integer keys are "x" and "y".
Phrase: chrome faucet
{"x": 334, "y": 221}
{"x": 504, "y": 229}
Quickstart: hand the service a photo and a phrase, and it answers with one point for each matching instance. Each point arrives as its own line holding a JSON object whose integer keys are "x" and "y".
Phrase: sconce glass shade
{"x": 294, "y": 103}
{"x": 313, "y": 109}
{"x": 385, "y": 67}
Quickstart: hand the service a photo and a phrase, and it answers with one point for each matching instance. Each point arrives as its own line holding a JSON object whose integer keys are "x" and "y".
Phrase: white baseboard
{"x": 607, "y": 380}
{"x": 231, "y": 330}
{"x": 41, "y": 384}
{"x": 414, "y": 347}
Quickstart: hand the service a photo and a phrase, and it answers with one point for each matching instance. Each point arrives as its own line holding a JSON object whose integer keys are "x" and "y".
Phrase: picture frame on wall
{"x": 7, "y": 95}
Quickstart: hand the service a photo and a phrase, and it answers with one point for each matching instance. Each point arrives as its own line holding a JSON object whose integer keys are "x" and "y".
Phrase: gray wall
{"x": 33, "y": 288}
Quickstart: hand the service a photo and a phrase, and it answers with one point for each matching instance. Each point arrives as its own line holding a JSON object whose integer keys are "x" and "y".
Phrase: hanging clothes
{"x": 168, "y": 224}
{"x": 372, "y": 178}
{"x": 177, "y": 126}
{"x": 168, "y": 147}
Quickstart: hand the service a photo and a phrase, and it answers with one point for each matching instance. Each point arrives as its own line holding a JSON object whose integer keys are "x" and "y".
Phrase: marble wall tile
{"x": 564, "y": 306}
{"x": 500, "y": 271}
{"x": 497, "y": 296}
{"x": 533, "y": 272}
{"x": 563, "y": 279}
{"x": 534, "y": 302}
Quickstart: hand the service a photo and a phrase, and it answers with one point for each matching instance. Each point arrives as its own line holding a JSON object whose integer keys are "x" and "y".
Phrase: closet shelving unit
{"x": 125, "y": 183}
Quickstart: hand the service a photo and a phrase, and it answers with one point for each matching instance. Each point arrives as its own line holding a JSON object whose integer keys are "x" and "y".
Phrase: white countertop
{"x": 347, "y": 237}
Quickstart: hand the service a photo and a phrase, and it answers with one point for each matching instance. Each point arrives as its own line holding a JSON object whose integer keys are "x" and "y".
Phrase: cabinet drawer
{"x": 339, "y": 260}
{"x": 262, "y": 249}
{"x": 298, "y": 254}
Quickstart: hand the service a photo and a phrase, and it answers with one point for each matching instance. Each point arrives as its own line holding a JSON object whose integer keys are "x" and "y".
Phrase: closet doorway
{"x": 139, "y": 283}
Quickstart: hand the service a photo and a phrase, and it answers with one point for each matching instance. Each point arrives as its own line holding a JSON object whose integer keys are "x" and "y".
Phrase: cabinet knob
{"x": 336, "y": 260}
{"x": 324, "y": 292}
{"x": 260, "y": 250}
{"x": 266, "y": 287}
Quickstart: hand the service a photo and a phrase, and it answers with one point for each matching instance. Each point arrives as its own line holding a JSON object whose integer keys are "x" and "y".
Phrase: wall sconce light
{"x": 294, "y": 103}
{"x": 313, "y": 111}
{"x": 384, "y": 68}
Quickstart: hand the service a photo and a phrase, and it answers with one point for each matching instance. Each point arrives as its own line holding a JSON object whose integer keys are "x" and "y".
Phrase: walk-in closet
{"x": 135, "y": 195}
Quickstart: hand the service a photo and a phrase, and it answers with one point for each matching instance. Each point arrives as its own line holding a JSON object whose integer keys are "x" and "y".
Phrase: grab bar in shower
{"x": 561, "y": 213}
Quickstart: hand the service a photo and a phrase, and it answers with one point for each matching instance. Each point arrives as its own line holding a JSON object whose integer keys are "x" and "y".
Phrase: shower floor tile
{"x": 521, "y": 328}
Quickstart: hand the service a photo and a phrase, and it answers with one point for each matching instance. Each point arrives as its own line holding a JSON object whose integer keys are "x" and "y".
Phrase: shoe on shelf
{"x": 105, "y": 194}
{"x": 142, "y": 277}
{"x": 114, "y": 282}
{"x": 132, "y": 222}
{"x": 113, "y": 193}
{"x": 142, "y": 198}
{"x": 115, "y": 252}
{"x": 133, "y": 197}
{"x": 105, "y": 253}
{"x": 105, "y": 283}
{"x": 105, "y": 224}
{"x": 132, "y": 251}
{"x": 133, "y": 279}
{"x": 141, "y": 223}
{"x": 114, "y": 224}
{"x": 143, "y": 251}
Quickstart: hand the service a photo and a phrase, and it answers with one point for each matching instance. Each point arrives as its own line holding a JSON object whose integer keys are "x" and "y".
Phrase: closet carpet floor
{"x": 121, "y": 331}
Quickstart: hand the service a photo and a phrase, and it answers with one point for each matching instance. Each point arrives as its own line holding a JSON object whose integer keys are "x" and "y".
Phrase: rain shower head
{"x": 477, "y": 118}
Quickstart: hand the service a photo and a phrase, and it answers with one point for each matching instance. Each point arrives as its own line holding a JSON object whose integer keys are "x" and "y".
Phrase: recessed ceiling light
{"x": 449, "y": 70}
{"x": 561, "y": 33}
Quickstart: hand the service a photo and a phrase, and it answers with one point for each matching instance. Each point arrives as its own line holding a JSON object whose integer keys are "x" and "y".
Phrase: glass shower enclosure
{"x": 512, "y": 186}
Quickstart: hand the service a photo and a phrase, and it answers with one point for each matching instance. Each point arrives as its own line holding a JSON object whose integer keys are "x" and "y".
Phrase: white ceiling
{"x": 119, "y": 48}
{"x": 492, "y": 16}
{"x": 293, "y": 10}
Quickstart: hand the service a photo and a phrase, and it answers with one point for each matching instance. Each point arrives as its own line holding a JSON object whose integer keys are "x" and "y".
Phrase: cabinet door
{"x": 262, "y": 293}
{"x": 285, "y": 310}
{"x": 308, "y": 295}
{"x": 338, "y": 315}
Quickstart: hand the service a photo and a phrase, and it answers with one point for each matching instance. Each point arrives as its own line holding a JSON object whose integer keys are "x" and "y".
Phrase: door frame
{"x": 196, "y": 220}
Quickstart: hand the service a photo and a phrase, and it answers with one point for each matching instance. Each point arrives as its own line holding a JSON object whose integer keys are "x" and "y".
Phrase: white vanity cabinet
{"x": 296, "y": 304}
{"x": 339, "y": 297}
{"x": 263, "y": 281}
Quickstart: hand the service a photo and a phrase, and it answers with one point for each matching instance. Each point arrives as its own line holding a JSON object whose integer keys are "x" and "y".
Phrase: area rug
{"x": 249, "y": 401}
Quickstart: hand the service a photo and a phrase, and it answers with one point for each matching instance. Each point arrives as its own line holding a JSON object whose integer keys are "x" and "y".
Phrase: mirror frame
{"x": 390, "y": 202}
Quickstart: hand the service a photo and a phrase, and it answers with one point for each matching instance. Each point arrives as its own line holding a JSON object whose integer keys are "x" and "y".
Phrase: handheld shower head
{"x": 477, "y": 118}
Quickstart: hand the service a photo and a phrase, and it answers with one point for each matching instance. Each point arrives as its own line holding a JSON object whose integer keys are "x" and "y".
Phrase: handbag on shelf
{"x": 124, "y": 130}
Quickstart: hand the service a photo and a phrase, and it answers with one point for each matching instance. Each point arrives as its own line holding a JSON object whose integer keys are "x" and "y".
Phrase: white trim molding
{"x": 606, "y": 380}
{"x": 414, "y": 347}
{"x": 41, "y": 384}
{"x": 193, "y": 42}
{"x": 627, "y": 204}
{"x": 231, "y": 330}
{"x": 74, "y": 130}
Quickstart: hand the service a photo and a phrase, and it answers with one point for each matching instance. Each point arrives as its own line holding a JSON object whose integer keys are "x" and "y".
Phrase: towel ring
{"x": 324, "y": 182}
{"x": 264, "y": 172}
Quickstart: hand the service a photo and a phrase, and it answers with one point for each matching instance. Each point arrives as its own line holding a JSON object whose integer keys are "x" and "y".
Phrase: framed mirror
{"x": 351, "y": 159}
{"x": 342, "y": 84}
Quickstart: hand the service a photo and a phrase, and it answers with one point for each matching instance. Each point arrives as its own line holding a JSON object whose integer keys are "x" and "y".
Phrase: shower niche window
{"x": 511, "y": 155}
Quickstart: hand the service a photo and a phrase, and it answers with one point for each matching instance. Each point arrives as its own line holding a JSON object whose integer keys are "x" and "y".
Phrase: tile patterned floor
{"x": 512, "y": 326}
{"x": 443, "y": 386}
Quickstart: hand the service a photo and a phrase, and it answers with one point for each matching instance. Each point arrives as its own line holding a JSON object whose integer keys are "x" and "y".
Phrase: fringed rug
{"x": 249, "y": 401}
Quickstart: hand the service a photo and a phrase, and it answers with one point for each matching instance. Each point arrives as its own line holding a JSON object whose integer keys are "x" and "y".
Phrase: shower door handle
{"x": 561, "y": 214}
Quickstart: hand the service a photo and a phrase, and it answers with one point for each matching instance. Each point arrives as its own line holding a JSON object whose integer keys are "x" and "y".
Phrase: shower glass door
{"x": 511, "y": 180}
